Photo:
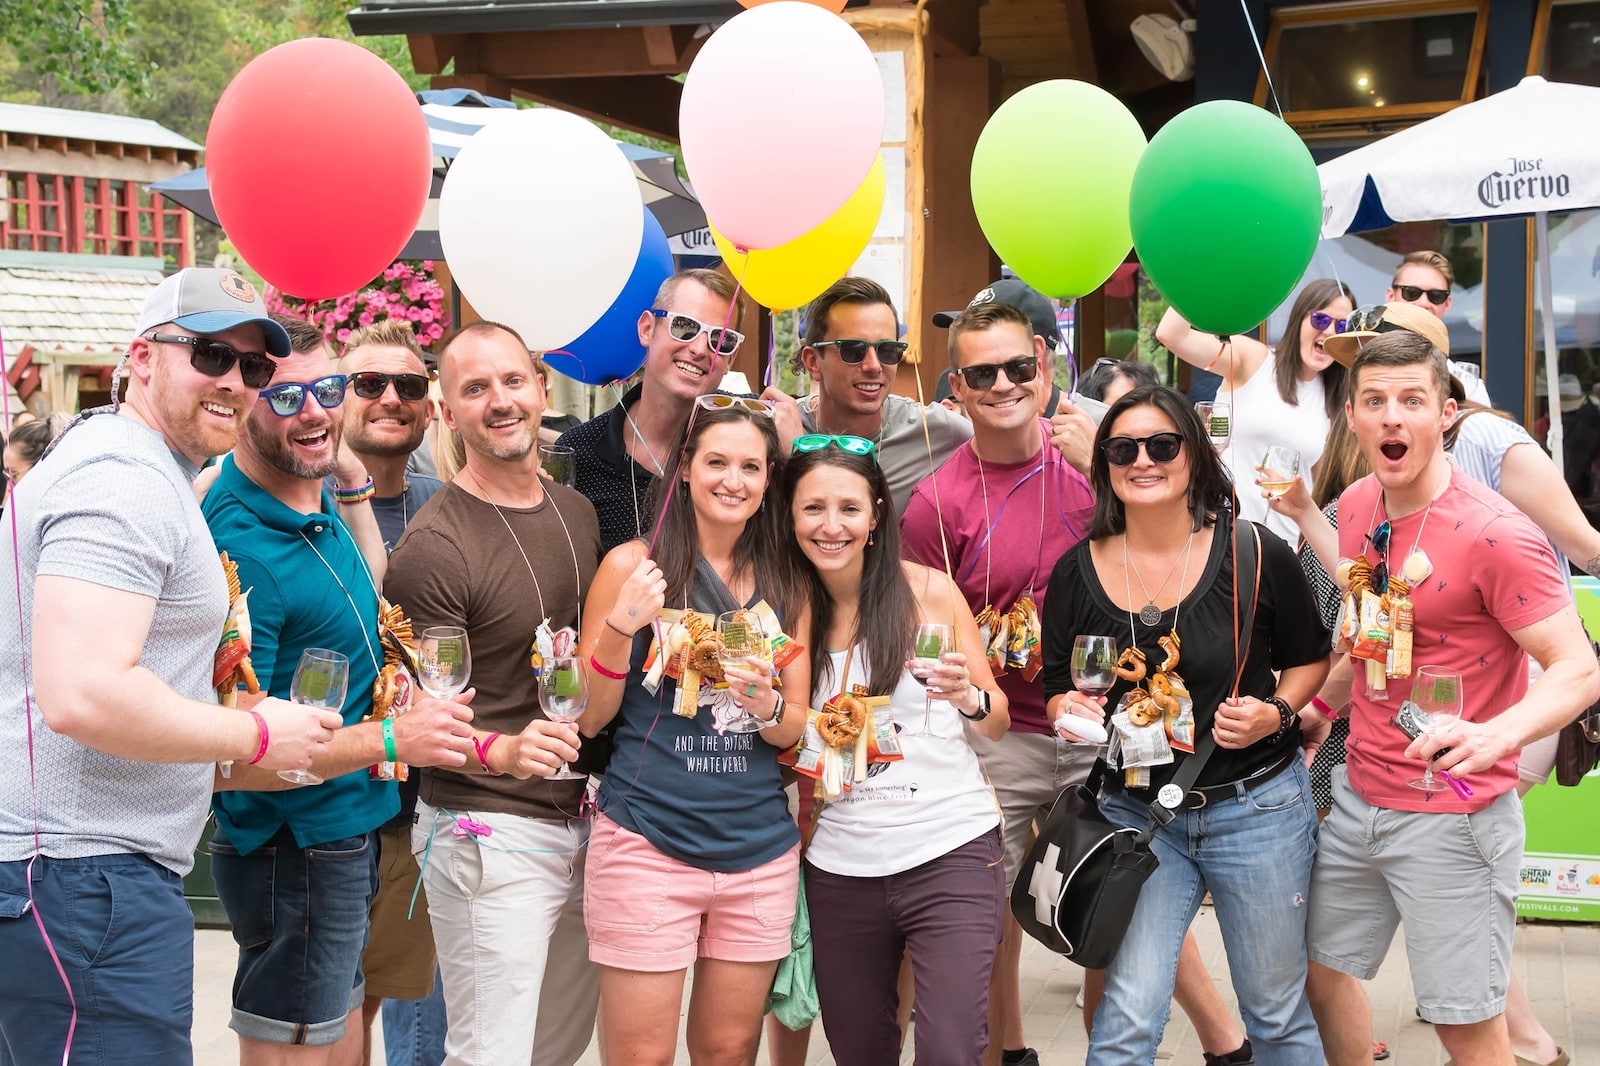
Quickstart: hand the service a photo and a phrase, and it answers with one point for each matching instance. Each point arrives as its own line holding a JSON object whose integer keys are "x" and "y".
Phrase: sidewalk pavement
{"x": 1558, "y": 964}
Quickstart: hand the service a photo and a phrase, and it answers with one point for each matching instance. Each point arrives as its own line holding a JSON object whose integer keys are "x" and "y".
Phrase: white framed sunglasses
{"x": 685, "y": 328}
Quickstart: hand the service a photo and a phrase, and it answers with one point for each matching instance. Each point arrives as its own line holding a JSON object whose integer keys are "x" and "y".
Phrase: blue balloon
{"x": 610, "y": 350}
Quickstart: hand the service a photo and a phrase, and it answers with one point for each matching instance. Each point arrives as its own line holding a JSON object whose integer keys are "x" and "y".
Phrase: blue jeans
{"x": 413, "y": 1029}
{"x": 1253, "y": 852}
{"x": 299, "y": 916}
{"x": 125, "y": 938}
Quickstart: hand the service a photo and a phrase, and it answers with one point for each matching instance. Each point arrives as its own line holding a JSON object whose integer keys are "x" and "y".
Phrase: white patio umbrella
{"x": 1521, "y": 151}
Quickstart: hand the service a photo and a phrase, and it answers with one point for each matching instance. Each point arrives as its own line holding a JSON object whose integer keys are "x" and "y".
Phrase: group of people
{"x": 494, "y": 909}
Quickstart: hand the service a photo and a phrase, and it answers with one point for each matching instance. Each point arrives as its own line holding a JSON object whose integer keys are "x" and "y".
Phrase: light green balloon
{"x": 1051, "y": 175}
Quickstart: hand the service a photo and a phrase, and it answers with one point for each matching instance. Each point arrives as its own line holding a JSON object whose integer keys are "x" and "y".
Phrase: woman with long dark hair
{"x": 908, "y": 860}
{"x": 693, "y": 857}
{"x": 1157, "y": 574}
{"x": 1284, "y": 394}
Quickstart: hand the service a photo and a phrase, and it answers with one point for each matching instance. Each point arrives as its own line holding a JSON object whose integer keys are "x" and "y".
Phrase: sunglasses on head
{"x": 721, "y": 401}
{"x": 1410, "y": 293}
{"x": 853, "y": 351}
{"x": 1019, "y": 371}
{"x": 370, "y": 385}
{"x": 685, "y": 328}
{"x": 1160, "y": 447}
{"x": 288, "y": 399}
{"x": 214, "y": 359}
{"x": 815, "y": 442}
{"x": 1321, "y": 320}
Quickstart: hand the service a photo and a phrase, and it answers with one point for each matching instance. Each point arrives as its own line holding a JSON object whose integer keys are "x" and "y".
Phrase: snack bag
{"x": 230, "y": 668}
{"x": 395, "y": 689}
{"x": 1180, "y": 722}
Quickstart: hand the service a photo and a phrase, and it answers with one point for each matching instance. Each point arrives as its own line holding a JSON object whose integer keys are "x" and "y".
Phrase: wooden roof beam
{"x": 579, "y": 53}
{"x": 432, "y": 52}
{"x": 1080, "y": 35}
{"x": 644, "y": 103}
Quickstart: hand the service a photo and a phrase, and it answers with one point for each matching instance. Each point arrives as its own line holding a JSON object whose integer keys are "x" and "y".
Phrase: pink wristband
{"x": 1321, "y": 705}
{"x": 266, "y": 738}
{"x": 483, "y": 752}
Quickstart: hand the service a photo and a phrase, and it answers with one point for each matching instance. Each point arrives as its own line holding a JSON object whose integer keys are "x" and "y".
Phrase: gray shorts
{"x": 1027, "y": 770}
{"x": 1450, "y": 878}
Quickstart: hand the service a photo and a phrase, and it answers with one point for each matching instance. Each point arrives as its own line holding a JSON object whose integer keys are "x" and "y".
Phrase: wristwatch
{"x": 983, "y": 707}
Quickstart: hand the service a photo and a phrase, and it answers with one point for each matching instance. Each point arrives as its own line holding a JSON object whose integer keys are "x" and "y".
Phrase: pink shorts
{"x": 650, "y": 913}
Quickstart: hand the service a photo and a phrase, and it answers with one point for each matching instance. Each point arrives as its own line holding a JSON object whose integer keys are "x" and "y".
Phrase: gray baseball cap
{"x": 1031, "y": 302}
{"x": 208, "y": 300}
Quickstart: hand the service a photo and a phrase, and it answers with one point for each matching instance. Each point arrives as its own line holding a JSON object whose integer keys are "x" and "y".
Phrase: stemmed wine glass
{"x": 321, "y": 680}
{"x": 564, "y": 695}
{"x": 743, "y": 639}
{"x": 444, "y": 660}
{"x": 1278, "y": 470}
{"x": 933, "y": 639}
{"x": 1094, "y": 665}
{"x": 1217, "y": 416}
{"x": 1436, "y": 694}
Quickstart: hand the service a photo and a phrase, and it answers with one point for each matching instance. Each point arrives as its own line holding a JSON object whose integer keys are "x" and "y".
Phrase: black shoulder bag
{"x": 1076, "y": 890}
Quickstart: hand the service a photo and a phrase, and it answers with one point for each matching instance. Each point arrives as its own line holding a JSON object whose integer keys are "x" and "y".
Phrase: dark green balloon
{"x": 1225, "y": 211}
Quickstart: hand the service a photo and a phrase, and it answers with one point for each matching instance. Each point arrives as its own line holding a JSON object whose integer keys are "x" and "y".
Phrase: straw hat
{"x": 1368, "y": 322}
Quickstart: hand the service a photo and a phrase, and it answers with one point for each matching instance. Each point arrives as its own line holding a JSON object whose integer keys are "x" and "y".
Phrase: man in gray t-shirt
{"x": 109, "y": 723}
{"x": 853, "y": 351}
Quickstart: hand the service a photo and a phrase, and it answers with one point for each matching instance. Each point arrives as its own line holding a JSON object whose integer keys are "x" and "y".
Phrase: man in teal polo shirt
{"x": 296, "y": 868}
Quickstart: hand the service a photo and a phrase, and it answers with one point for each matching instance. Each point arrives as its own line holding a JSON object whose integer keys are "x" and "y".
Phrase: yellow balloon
{"x": 791, "y": 275}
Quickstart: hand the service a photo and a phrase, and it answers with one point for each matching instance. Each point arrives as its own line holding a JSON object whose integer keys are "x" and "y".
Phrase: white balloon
{"x": 540, "y": 221}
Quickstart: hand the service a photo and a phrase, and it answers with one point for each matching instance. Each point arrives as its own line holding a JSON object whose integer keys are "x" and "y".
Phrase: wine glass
{"x": 743, "y": 639}
{"x": 563, "y": 695}
{"x": 1436, "y": 693}
{"x": 444, "y": 660}
{"x": 933, "y": 639}
{"x": 320, "y": 680}
{"x": 1278, "y": 470}
{"x": 560, "y": 462}
{"x": 1217, "y": 417}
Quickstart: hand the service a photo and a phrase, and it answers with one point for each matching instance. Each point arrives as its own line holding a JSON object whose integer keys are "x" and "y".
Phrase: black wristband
{"x": 1286, "y": 714}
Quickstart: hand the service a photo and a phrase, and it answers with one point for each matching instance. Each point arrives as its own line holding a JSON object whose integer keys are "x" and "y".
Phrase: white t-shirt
{"x": 1261, "y": 419}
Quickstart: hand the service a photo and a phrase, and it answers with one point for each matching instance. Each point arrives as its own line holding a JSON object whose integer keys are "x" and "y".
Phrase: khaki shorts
{"x": 1451, "y": 878}
{"x": 400, "y": 959}
{"x": 1027, "y": 771}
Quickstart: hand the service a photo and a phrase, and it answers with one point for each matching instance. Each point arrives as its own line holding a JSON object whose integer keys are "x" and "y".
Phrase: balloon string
{"x": 27, "y": 708}
{"x": 1255, "y": 39}
{"x": 938, "y": 508}
{"x": 772, "y": 351}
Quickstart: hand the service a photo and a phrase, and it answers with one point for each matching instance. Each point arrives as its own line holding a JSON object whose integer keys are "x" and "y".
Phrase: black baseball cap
{"x": 1031, "y": 302}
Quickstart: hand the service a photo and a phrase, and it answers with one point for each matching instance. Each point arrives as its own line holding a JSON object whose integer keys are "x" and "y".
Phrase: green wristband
{"x": 388, "y": 741}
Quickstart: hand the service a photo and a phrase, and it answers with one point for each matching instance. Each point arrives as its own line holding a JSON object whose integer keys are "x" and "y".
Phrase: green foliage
{"x": 82, "y": 47}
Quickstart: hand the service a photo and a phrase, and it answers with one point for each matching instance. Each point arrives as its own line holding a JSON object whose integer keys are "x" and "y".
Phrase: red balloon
{"x": 319, "y": 162}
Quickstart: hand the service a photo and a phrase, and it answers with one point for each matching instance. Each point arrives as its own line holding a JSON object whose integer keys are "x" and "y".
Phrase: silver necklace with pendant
{"x": 1150, "y": 614}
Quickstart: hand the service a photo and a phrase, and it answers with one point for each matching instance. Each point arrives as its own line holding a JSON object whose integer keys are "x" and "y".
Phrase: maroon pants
{"x": 946, "y": 914}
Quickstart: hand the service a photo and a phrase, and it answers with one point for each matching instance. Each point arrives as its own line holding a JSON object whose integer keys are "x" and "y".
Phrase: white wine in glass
{"x": 444, "y": 660}
{"x": 321, "y": 680}
{"x": 563, "y": 696}
{"x": 1278, "y": 471}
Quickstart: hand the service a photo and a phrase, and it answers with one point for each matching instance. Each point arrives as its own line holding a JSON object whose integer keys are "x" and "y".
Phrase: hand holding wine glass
{"x": 932, "y": 640}
{"x": 1278, "y": 469}
{"x": 321, "y": 680}
{"x": 1094, "y": 664}
{"x": 1436, "y": 707}
{"x": 564, "y": 696}
{"x": 744, "y": 648}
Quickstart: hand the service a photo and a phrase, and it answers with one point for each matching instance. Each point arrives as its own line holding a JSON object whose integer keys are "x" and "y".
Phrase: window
{"x": 1566, "y": 41}
{"x": 1374, "y": 63}
{"x": 96, "y": 216}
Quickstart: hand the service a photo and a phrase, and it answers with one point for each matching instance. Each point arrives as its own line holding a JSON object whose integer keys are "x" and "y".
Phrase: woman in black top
{"x": 1159, "y": 562}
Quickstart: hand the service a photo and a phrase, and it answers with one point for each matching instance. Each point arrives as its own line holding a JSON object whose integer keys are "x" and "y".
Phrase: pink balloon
{"x": 774, "y": 84}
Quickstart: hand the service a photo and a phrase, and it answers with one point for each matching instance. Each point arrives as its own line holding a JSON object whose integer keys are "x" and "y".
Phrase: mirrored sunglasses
{"x": 815, "y": 442}
{"x": 370, "y": 385}
{"x": 1410, "y": 293}
{"x": 1321, "y": 320}
{"x": 288, "y": 399}
{"x": 853, "y": 350}
{"x": 685, "y": 328}
{"x": 1124, "y": 451}
{"x": 1380, "y": 543}
{"x": 721, "y": 401}
{"x": 214, "y": 359}
{"x": 1019, "y": 371}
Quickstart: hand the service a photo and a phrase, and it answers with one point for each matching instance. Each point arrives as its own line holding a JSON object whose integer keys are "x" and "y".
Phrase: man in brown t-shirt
{"x": 498, "y": 551}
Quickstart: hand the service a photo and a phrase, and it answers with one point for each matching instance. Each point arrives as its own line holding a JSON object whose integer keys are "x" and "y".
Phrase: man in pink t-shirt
{"x": 1445, "y": 863}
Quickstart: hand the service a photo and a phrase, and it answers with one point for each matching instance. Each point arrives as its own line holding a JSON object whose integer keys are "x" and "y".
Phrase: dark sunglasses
{"x": 370, "y": 385}
{"x": 685, "y": 328}
{"x": 1160, "y": 447}
{"x": 1019, "y": 371}
{"x": 815, "y": 442}
{"x": 288, "y": 399}
{"x": 214, "y": 359}
{"x": 1321, "y": 320}
{"x": 1380, "y": 543}
{"x": 853, "y": 351}
{"x": 1409, "y": 294}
